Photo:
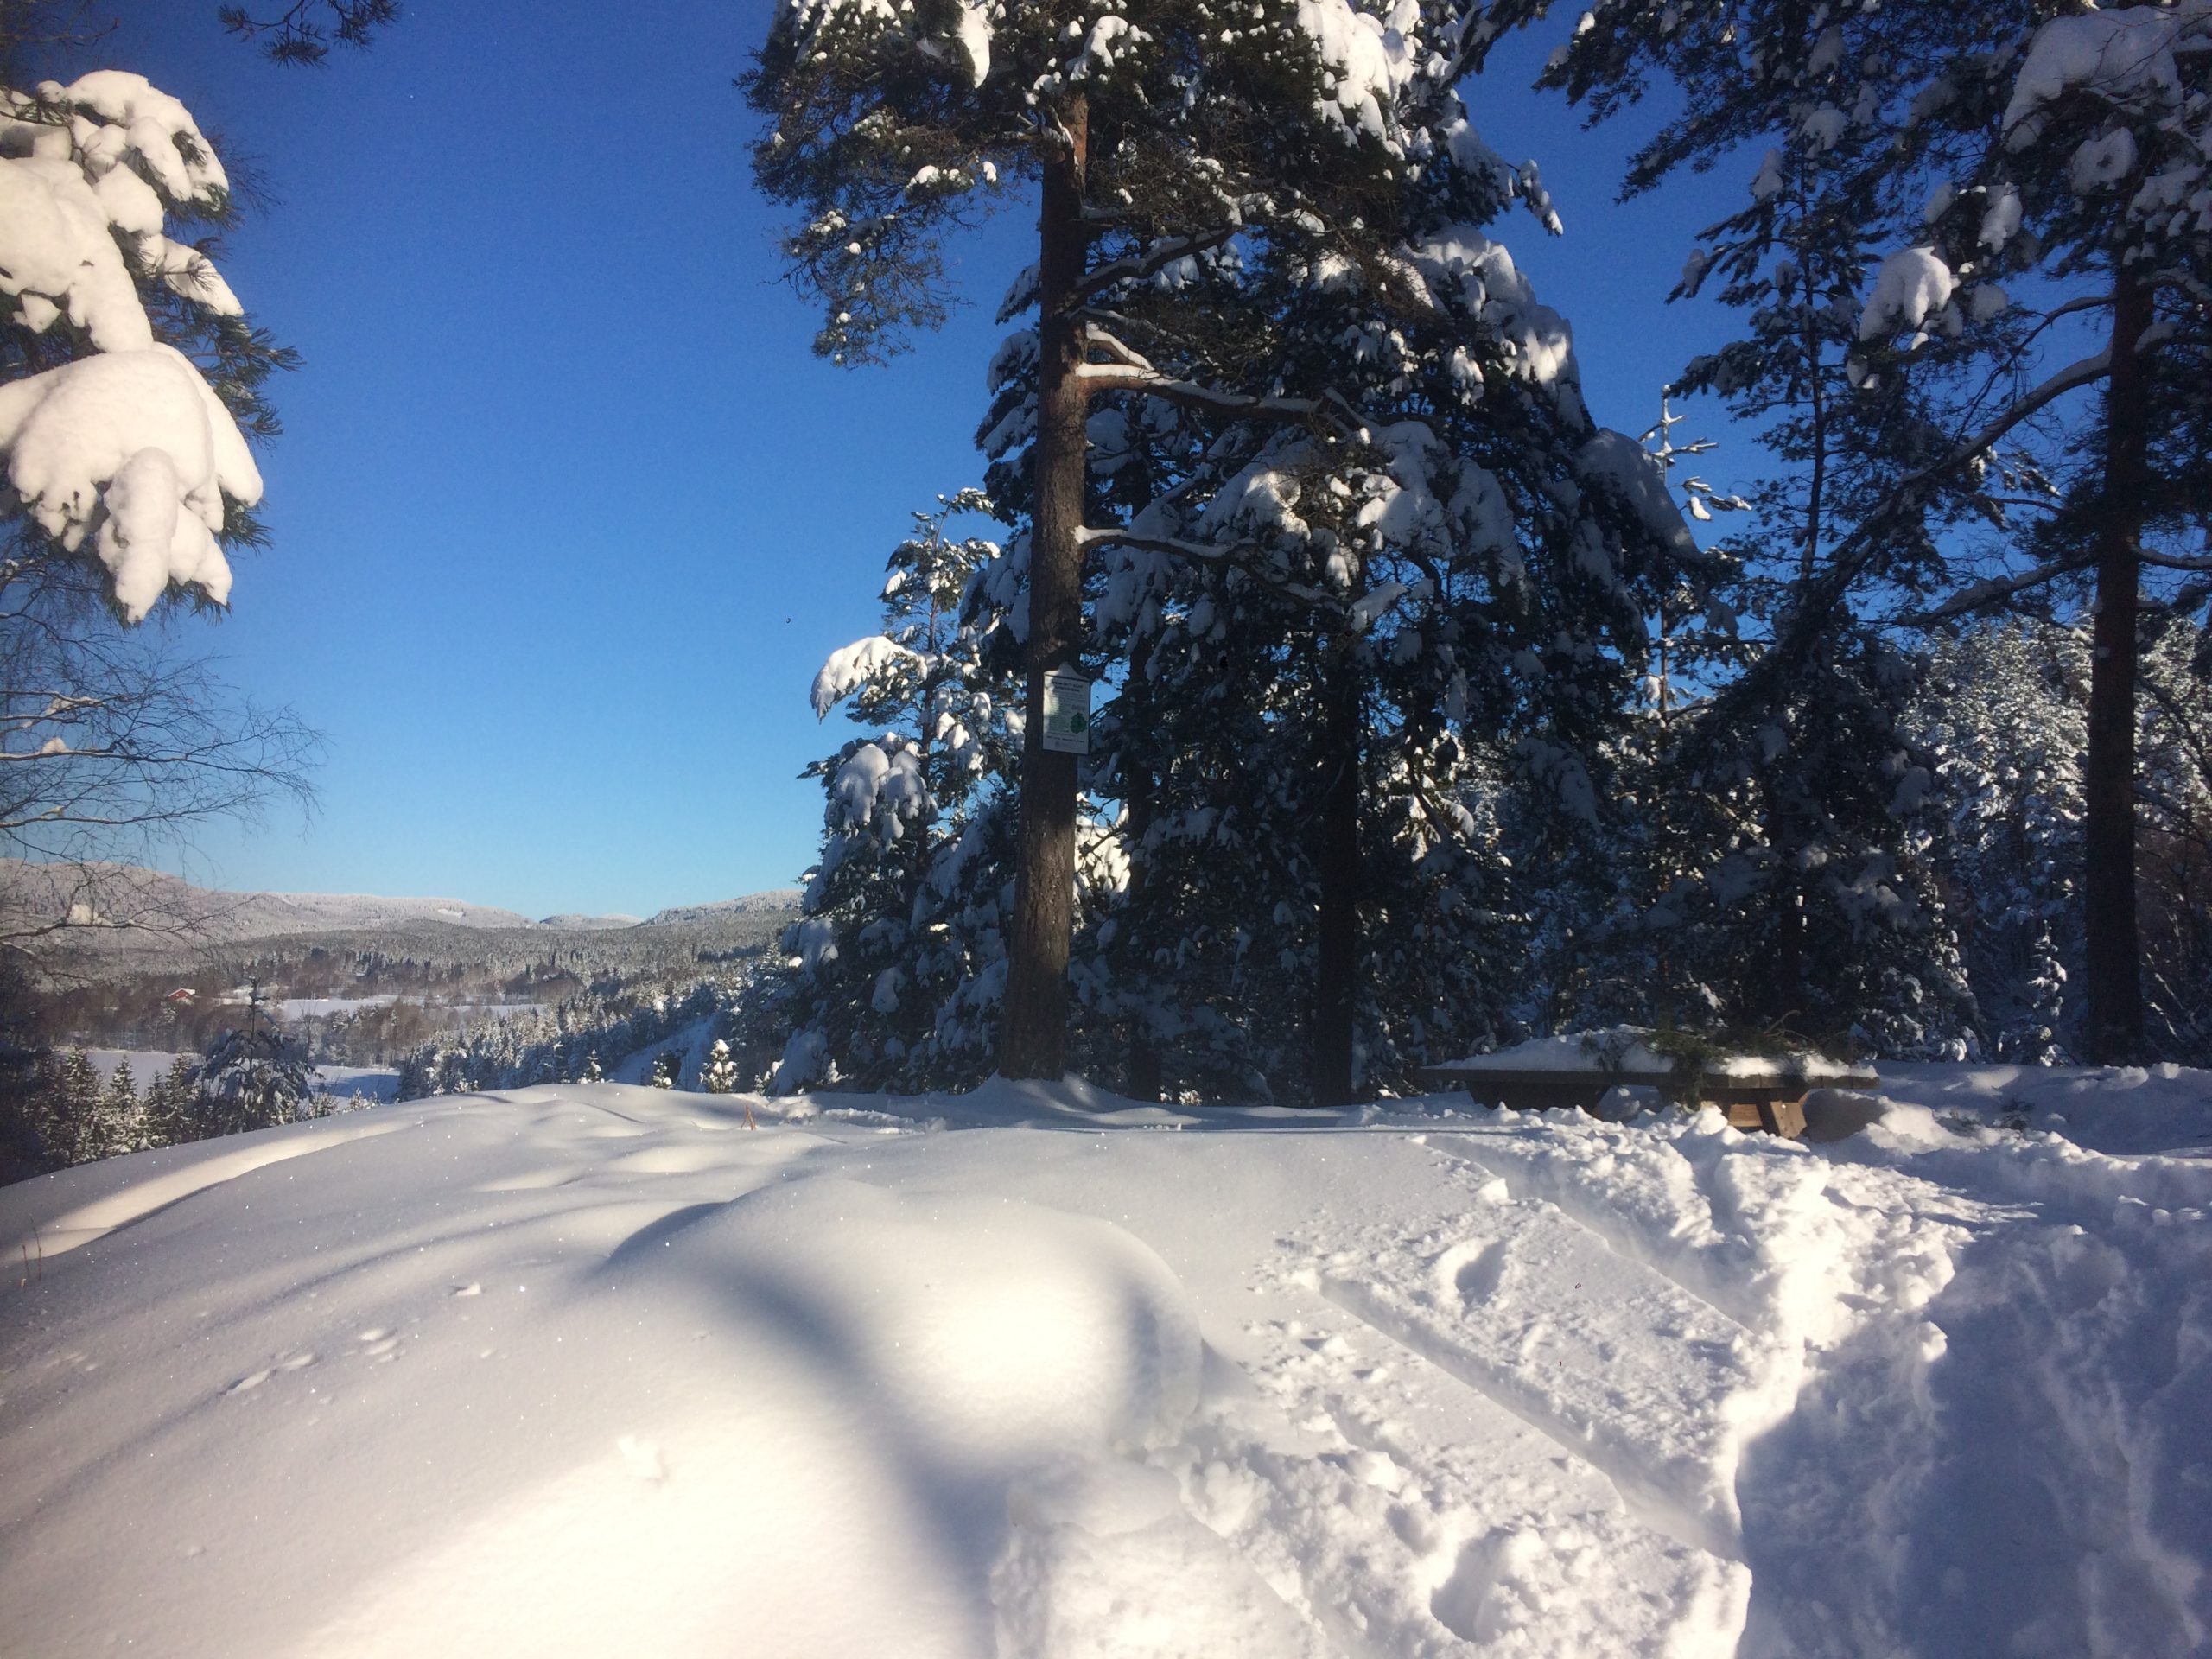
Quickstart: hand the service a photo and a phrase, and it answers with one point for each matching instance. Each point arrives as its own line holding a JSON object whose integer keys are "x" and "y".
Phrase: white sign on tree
{"x": 1067, "y": 713}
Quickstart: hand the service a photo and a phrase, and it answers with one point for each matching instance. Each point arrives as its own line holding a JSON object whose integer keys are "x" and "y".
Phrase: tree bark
{"x": 2114, "y": 957}
{"x": 1033, "y": 1034}
{"x": 1335, "y": 970}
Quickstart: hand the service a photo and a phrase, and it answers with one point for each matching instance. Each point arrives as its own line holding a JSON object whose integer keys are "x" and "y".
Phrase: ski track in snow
{"x": 558, "y": 1366}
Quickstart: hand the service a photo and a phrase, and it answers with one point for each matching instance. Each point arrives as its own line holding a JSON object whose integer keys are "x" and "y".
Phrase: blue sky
{"x": 566, "y": 513}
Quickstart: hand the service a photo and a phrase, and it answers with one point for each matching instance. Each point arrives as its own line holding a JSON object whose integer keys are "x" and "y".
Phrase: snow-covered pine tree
{"x": 1165, "y": 138}
{"x": 719, "y": 1076}
{"x": 2064, "y": 154}
{"x": 171, "y": 1101}
{"x": 899, "y": 958}
{"x": 2099, "y": 153}
{"x": 591, "y": 1073}
{"x": 1792, "y": 786}
{"x": 2175, "y": 719}
{"x": 2002, "y": 713}
{"x": 123, "y": 1127}
{"x": 668, "y": 1066}
{"x": 250, "y": 1078}
{"x": 69, "y": 1118}
{"x": 1488, "y": 554}
{"x": 2005, "y": 710}
{"x": 1308, "y": 564}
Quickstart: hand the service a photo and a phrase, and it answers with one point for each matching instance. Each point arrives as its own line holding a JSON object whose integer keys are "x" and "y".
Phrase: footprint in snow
{"x": 290, "y": 1363}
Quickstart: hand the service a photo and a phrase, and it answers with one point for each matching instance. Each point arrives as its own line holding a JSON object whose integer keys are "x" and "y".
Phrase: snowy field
{"x": 591, "y": 1370}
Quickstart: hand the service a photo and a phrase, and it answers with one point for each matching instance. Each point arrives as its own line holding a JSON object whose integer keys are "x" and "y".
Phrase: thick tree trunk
{"x": 1033, "y": 1035}
{"x": 2114, "y": 959}
{"x": 1335, "y": 970}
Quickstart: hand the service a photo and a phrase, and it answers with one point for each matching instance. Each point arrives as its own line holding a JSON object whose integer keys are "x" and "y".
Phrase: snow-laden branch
{"x": 1136, "y": 267}
{"x": 852, "y": 666}
{"x": 127, "y": 447}
{"x": 1131, "y": 370}
{"x": 1247, "y": 558}
{"x": 1981, "y": 596}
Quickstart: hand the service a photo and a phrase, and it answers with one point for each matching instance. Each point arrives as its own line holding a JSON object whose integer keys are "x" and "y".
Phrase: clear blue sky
{"x": 566, "y": 514}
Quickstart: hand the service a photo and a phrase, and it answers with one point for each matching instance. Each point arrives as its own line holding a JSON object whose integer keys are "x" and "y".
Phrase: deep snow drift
{"x": 591, "y": 1370}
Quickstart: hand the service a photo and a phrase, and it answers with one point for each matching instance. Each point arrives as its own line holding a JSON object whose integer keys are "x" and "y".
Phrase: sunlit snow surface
{"x": 594, "y": 1370}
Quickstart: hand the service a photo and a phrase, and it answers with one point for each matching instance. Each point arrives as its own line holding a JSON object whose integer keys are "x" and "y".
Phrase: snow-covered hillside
{"x": 150, "y": 899}
{"x": 592, "y": 1369}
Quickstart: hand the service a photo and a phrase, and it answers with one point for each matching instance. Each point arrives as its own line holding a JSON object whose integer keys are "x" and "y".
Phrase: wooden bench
{"x": 1765, "y": 1096}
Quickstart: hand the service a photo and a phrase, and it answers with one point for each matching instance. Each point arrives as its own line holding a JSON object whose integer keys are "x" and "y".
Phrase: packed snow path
{"x": 590, "y": 1370}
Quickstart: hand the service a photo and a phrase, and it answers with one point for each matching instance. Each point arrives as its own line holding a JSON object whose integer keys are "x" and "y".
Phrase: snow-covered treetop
{"x": 896, "y": 122}
{"x": 124, "y": 446}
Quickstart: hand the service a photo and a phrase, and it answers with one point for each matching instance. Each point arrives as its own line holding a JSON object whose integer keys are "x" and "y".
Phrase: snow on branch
{"x": 131, "y": 449}
{"x": 1911, "y": 290}
{"x": 2124, "y": 56}
{"x": 126, "y": 449}
{"x": 1136, "y": 267}
{"x": 852, "y": 666}
{"x": 1248, "y": 557}
{"x": 1620, "y": 466}
{"x": 1982, "y": 595}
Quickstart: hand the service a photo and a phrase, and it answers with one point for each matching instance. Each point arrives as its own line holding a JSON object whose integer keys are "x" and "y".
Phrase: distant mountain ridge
{"x": 773, "y": 899}
{"x": 122, "y": 900}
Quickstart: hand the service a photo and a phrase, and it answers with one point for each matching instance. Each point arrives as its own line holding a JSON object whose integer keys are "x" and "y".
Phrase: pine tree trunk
{"x": 2114, "y": 959}
{"x": 1032, "y": 1035}
{"x": 1335, "y": 971}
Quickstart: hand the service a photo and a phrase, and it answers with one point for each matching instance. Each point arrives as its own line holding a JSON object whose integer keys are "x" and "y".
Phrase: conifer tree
{"x": 719, "y": 1075}
{"x": 71, "y": 1120}
{"x": 899, "y": 953}
{"x": 591, "y": 1073}
{"x": 1968, "y": 144}
{"x": 668, "y": 1066}
{"x": 1165, "y": 139}
{"x": 2002, "y": 713}
{"x": 171, "y": 1119}
{"x": 250, "y": 1078}
{"x": 123, "y": 1127}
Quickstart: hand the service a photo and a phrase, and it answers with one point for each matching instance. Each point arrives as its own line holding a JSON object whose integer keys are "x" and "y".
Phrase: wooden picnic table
{"x": 1768, "y": 1096}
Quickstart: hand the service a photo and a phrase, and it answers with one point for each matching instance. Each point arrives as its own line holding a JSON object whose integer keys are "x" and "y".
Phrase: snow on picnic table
{"x": 1622, "y": 1052}
{"x": 590, "y": 1368}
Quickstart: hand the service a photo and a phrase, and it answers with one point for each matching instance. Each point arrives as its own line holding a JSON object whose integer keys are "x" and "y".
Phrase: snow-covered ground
{"x": 592, "y": 1369}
